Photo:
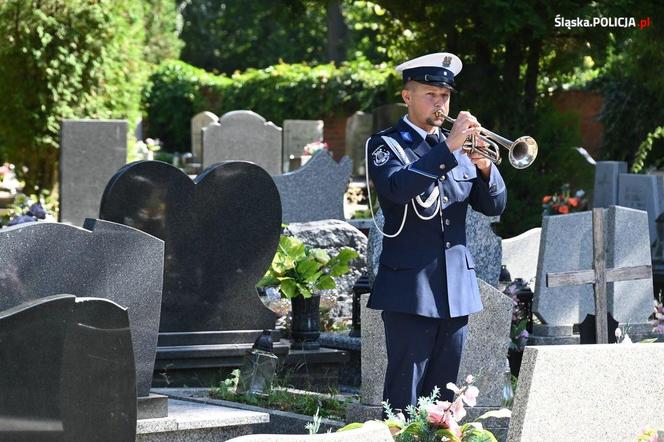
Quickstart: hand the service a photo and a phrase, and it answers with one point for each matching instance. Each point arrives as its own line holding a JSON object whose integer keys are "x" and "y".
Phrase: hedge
{"x": 177, "y": 91}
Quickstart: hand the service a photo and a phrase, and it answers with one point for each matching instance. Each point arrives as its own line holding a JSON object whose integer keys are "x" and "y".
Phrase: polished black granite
{"x": 221, "y": 232}
{"x": 67, "y": 371}
{"x": 103, "y": 260}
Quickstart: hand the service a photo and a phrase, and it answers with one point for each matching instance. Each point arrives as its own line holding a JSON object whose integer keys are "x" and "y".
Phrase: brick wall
{"x": 587, "y": 105}
{"x": 334, "y": 134}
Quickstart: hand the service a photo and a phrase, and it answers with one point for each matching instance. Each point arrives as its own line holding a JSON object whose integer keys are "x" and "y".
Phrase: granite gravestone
{"x": 316, "y": 190}
{"x": 103, "y": 259}
{"x": 520, "y": 254}
{"x": 297, "y": 134}
{"x": 643, "y": 192}
{"x": 566, "y": 245}
{"x": 54, "y": 391}
{"x": 359, "y": 128}
{"x": 570, "y": 393}
{"x": 220, "y": 232}
{"x": 388, "y": 115}
{"x": 91, "y": 151}
{"x": 605, "y": 190}
{"x": 243, "y": 135}
{"x": 200, "y": 121}
{"x": 484, "y": 355}
{"x": 484, "y": 245}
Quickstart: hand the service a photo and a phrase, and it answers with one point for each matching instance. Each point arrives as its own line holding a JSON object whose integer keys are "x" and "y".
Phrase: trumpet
{"x": 522, "y": 151}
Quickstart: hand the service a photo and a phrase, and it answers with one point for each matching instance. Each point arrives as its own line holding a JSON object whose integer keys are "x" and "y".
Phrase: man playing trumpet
{"x": 426, "y": 283}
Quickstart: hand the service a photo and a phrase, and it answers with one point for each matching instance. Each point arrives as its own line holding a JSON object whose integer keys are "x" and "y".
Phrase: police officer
{"x": 426, "y": 283}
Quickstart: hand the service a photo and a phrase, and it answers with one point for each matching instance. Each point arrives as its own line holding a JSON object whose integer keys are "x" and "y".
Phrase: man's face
{"x": 423, "y": 100}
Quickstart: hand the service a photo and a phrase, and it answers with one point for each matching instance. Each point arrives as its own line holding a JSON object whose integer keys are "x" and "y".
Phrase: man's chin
{"x": 435, "y": 121}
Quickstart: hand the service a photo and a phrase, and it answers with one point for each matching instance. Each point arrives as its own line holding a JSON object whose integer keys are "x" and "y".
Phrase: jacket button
{"x": 442, "y": 178}
{"x": 442, "y": 167}
{"x": 447, "y": 245}
{"x": 445, "y": 200}
{"x": 447, "y": 222}
{"x": 465, "y": 176}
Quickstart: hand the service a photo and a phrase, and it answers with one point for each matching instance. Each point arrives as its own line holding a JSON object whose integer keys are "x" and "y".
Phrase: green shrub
{"x": 178, "y": 91}
{"x": 64, "y": 59}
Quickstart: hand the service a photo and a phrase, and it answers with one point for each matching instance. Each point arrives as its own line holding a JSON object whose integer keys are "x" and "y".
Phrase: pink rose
{"x": 436, "y": 413}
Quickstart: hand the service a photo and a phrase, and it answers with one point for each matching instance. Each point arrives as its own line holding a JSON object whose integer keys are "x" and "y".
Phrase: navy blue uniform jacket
{"x": 427, "y": 270}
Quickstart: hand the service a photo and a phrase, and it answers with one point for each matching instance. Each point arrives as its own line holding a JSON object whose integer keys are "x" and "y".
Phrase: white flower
{"x": 618, "y": 333}
{"x": 469, "y": 379}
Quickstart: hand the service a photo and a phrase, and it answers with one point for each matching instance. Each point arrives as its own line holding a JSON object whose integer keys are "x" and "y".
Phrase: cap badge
{"x": 447, "y": 61}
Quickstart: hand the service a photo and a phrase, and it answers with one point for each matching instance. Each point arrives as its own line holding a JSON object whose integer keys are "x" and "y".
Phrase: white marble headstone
{"x": 520, "y": 254}
{"x": 200, "y": 121}
{"x": 246, "y": 136}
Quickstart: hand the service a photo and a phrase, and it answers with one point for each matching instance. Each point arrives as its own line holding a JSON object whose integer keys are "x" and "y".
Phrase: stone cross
{"x": 599, "y": 276}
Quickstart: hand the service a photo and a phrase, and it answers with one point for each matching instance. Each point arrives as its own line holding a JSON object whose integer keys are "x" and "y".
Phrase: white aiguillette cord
{"x": 398, "y": 151}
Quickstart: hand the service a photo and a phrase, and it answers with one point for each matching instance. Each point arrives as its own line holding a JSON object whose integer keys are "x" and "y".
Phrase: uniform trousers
{"x": 421, "y": 353}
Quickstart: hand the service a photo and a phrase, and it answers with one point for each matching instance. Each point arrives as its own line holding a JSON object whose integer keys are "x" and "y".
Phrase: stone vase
{"x": 305, "y": 326}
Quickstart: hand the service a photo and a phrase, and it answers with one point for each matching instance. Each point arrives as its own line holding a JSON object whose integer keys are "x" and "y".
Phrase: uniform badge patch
{"x": 380, "y": 156}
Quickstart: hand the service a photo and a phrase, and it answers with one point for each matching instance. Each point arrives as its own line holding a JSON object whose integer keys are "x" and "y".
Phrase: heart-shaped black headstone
{"x": 220, "y": 230}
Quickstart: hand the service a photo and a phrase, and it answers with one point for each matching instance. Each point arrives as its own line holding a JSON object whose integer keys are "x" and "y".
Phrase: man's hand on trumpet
{"x": 464, "y": 126}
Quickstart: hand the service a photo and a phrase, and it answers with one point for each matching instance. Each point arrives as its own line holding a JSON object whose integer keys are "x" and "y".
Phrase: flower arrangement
{"x": 298, "y": 270}
{"x": 518, "y": 331}
{"x": 146, "y": 149}
{"x": 563, "y": 203}
{"x": 26, "y": 209}
{"x": 314, "y": 147}
{"x": 433, "y": 420}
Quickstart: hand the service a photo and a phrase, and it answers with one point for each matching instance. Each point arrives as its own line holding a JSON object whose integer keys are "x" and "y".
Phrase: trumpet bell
{"x": 522, "y": 152}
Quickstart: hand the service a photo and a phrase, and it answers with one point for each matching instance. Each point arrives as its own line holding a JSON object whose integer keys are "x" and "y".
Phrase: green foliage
{"x": 230, "y": 35}
{"x": 557, "y": 163}
{"x": 177, "y": 91}
{"x": 645, "y": 148}
{"x": 298, "y": 270}
{"x": 278, "y": 398}
{"x": 161, "y": 30}
{"x": 64, "y": 59}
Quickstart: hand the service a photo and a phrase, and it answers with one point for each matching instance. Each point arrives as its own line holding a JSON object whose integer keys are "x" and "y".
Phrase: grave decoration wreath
{"x": 563, "y": 203}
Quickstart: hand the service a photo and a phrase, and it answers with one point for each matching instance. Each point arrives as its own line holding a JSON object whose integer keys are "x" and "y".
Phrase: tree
{"x": 64, "y": 59}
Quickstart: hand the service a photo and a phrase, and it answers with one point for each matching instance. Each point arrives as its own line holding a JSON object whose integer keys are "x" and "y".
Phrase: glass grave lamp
{"x": 259, "y": 366}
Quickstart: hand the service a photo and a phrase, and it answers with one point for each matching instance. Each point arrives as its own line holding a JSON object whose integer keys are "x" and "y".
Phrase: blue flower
{"x": 37, "y": 211}
{"x": 21, "y": 219}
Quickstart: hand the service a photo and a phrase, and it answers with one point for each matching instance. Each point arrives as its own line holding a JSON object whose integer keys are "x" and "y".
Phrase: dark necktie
{"x": 432, "y": 139}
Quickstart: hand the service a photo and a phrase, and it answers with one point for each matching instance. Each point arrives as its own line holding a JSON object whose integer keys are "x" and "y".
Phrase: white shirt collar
{"x": 421, "y": 132}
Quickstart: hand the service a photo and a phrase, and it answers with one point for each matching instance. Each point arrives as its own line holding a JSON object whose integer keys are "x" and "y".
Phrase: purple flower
{"x": 37, "y": 210}
{"x": 21, "y": 219}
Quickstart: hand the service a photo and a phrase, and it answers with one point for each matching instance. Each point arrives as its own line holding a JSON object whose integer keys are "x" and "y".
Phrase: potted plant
{"x": 300, "y": 273}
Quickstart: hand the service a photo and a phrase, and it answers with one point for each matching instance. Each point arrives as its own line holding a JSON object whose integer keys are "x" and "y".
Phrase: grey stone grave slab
{"x": 571, "y": 393}
{"x": 359, "y": 128}
{"x": 199, "y": 122}
{"x": 643, "y": 192}
{"x": 369, "y": 432}
{"x": 520, "y": 254}
{"x": 484, "y": 353}
{"x": 91, "y": 151}
{"x": 316, "y": 190}
{"x": 297, "y": 134}
{"x": 103, "y": 259}
{"x": 67, "y": 371}
{"x": 605, "y": 190}
{"x": 243, "y": 135}
{"x": 388, "y": 115}
{"x": 483, "y": 243}
{"x": 220, "y": 230}
{"x": 566, "y": 245}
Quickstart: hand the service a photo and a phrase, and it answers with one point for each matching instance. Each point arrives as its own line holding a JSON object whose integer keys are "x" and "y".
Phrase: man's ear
{"x": 405, "y": 95}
